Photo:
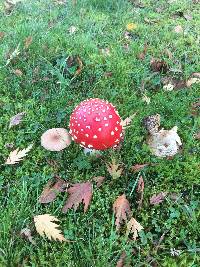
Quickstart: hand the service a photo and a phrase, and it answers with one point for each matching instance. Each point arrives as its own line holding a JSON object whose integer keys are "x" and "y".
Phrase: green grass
{"x": 49, "y": 103}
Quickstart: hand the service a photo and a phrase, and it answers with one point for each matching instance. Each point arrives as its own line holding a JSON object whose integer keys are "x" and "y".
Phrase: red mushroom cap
{"x": 95, "y": 124}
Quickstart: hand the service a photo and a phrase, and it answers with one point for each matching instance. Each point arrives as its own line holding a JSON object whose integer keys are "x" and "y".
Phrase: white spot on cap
{"x": 97, "y": 119}
{"x": 81, "y": 130}
{"x": 95, "y": 136}
{"x": 105, "y": 119}
{"x": 99, "y": 129}
{"x": 116, "y": 129}
{"x": 75, "y": 137}
{"x": 83, "y": 143}
{"x": 70, "y": 131}
{"x": 106, "y": 124}
{"x": 87, "y": 127}
{"x": 103, "y": 110}
{"x": 117, "y": 122}
{"x": 79, "y": 124}
{"x": 72, "y": 124}
{"x": 90, "y": 146}
{"x": 110, "y": 116}
{"x": 108, "y": 108}
{"x": 87, "y": 135}
{"x": 121, "y": 134}
{"x": 112, "y": 133}
{"x": 117, "y": 140}
{"x": 72, "y": 138}
{"x": 89, "y": 112}
{"x": 75, "y": 121}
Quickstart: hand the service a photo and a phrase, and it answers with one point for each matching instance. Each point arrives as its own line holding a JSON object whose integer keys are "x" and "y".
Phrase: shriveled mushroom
{"x": 164, "y": 143}
{"x": 55, "y": 139}
{"x": 95, "y": 124}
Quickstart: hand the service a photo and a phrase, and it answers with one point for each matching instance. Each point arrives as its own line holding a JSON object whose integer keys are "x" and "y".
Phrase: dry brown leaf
{"x": 158, "y": 198}
{"x": 15, "y": 120}
{"x": 45, "y": 226}
{"x": 28, "y": 41}
{"x": 78, "y": 193}
{"x": 99, "y": 180}
{"x": 114, "y": 169}
{"x": 17, "y": 155}
{"x": 26, "y": 233}
{"x": 140, "y": 186}
{"x": 125, "y": 123}
{"x": 122, "y": 210}
{"x": 197, "y": 136}
{"x": 138, "y": 167}
{"x": 18, "y": 72}
{"x": 121, "y": 260}
{"x": 158, "y": 65}
{"x": 133, "y": 227}
{"x": 142, "y": 55}
{"x": 80, "y": 66}
{"x": 2, "y": 34}
{"x": 51, "y": 190}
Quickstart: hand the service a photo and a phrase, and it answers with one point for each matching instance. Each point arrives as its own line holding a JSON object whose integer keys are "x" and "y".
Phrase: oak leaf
{"x": 122, "y": 210}
{"x": 51, "y": 190}
{"x": 15, "y": 120}
{"x": 133, "y": 227}
{"x": 45, "y": 226}
{"x": 125, "y": 123}
{"x": 17, "y": 155}
{"x": 114, "y": 169}
{"x": 78, "y": 193}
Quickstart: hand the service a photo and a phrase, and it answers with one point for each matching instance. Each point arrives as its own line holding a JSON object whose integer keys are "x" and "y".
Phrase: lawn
{"x": 53, "y": 55}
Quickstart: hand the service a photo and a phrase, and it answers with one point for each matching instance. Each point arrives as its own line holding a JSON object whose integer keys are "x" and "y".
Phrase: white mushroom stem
{"x": 91, "y": 152}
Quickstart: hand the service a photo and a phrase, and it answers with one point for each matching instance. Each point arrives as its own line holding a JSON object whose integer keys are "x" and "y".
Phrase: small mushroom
{"x": 55, "y": 139}
{"x": 95, "y": 124}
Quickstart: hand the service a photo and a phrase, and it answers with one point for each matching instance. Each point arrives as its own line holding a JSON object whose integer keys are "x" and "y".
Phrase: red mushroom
{"x": 96, "y": 124}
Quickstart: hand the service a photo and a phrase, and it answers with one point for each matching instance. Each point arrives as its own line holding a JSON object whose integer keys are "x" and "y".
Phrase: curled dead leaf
{"x": 158, "y": 65}
{"x": 52, "y": 189}
{"x": 133, "y": 227}
{"x": 138, "y": 167}
{"x": 99, "y": 180}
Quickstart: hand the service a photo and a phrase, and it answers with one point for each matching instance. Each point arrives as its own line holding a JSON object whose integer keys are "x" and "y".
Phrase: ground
{"x": 103, "y": 62}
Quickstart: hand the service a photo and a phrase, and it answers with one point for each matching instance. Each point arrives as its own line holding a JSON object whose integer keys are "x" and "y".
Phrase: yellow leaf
{"x": 133, "y": 227}
{"x": 114, "y": 169}
{"x": 131, "y": 26}
{"x": 17, "y": 155}
{"x": 45, "y": 225}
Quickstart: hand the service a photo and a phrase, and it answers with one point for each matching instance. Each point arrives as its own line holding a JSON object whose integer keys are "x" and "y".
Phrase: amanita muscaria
{"x": 96, "y": 124}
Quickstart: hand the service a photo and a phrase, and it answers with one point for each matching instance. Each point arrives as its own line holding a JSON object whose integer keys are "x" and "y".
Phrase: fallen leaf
{"x": 12, "y": 55}
{"x": 72, "y": 29}
{"x": 15, "y": 120}
{"x": 197, "y": 136}
{"x": 195, "y": 108}
{"x": 121, "y": 260}
{"x": 51, "y": 190}
{"x": 125, "y": 123}
{"x": 121, "y": 209}
{"x": 142, "y": 55}
{"x": 131, "y": 26}
{"x": 114, "y": 169}
{"x": 26, "y": 233}
{"x": 17, "y": 155}
{"x": 78, "y": 193}
{"x": 45, "y": 227}
{"x": 133, "y": 227}
{"x": 80, "y": 66}
{"x": 28, "y": 41}
{"x": 146, "y": 99}
{"x": 2, "y": 34}
{"x": 138, "y": 167}
{"x": 99, "y": 180}
{"x": 140, "y": 186}
{"x": 158, "y": 65}
{"x": 18, "y": 72}
{"x": 158, "y": 198}
{"x": 165, "y": 143}
{"x": 178, "y": 29}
